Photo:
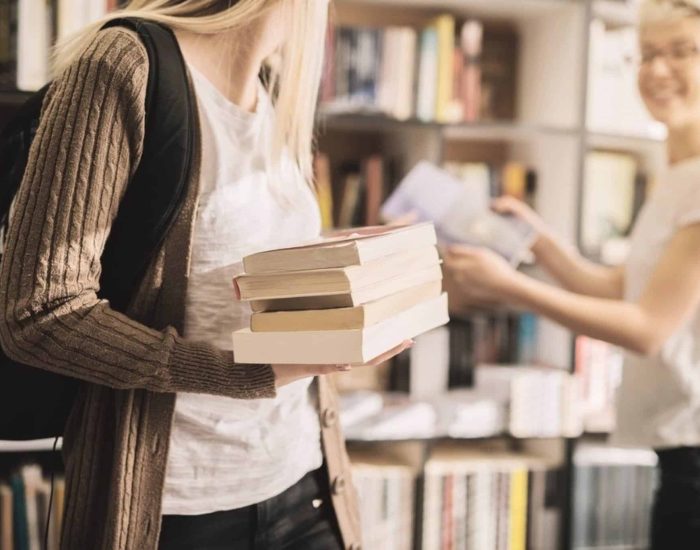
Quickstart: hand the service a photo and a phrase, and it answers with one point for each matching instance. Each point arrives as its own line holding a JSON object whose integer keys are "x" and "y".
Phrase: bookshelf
{"x": 550, "y": 132}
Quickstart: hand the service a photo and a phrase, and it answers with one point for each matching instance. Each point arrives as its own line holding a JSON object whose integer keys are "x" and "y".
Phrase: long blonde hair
{"x": 294, "y": 79}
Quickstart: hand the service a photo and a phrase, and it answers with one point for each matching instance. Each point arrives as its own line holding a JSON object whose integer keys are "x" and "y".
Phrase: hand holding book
{"x": 476, "y": 277}
{"x": 286, "y": 374}
{"x": 354, "y": 297}
{"x": 460, "y": 212}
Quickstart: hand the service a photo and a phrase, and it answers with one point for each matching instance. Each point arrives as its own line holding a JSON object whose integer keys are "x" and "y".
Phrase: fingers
{"x": 405, "y": 219}
{"x": 506, "y": 205}
{"x": 391, "y": 353}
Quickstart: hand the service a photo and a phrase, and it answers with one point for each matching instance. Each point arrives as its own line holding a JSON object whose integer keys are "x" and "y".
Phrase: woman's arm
{"x": 576, "y": 273}
{"x": 670, "y": 298}
{"x": 86, "y": 148}
{"x": 562, "y": 261}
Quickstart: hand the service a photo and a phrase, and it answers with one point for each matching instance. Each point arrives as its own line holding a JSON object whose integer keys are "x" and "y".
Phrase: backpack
{"x": 35, "y": 403}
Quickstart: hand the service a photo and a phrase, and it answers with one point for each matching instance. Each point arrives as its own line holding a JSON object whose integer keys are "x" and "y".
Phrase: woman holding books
{"x": 171, "y": 443}
{"x": 651, "y": 305}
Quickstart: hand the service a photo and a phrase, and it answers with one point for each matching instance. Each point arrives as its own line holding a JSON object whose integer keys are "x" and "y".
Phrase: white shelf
{"x": 29, "y": 446}
{"x": 501, "y": 131}
{"x": 615, "y": 14}
{"x": 492, "y": 9}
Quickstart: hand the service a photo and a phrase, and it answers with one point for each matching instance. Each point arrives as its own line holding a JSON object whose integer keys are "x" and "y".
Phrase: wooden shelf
{"x": 29, "y": 446}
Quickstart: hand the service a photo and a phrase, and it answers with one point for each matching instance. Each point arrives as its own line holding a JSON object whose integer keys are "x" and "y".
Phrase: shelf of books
{"x": 479, "y": 436}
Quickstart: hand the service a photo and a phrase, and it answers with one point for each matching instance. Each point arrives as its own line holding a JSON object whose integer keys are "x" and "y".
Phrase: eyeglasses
{"x": 676, "y": 56}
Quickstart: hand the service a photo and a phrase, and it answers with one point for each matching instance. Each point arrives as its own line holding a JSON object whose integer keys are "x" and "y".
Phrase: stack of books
{"x": 344, "y": 299}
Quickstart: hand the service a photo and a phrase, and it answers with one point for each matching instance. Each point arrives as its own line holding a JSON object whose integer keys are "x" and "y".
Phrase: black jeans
{"x": 301, "y": 518}
{"x": 676, "y": 515}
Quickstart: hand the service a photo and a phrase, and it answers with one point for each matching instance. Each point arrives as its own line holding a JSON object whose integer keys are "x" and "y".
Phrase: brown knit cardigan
{"x": 116, "y": 442}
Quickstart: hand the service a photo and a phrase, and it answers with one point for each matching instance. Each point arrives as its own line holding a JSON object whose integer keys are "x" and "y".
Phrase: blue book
{"x": 19, "y": 503}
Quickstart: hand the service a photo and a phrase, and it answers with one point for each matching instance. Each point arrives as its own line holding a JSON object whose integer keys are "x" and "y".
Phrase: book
{"x": 374, "y": 186}
{"x": 356, "y": 346}
{"x": 350, "y": 198}
{"x": 342, "y": 280}
{"x": 354, "y": 298}
{"x": 386, "y": 494}
{"x": 445, "y": 28}
{"x": 34, "y": 34}
{"x": 342, "y": 249}
{"x": 471, "y": 36}
{"x": 426, "y": 92}
{"x": 324, "y": 189}
{"x": 607, "y": 212}
{"x": 613, "y": 494}
{"x": 460, "y": 216}
{"x": 6, "y": 521}
{"x": 613, "y": 101}
{"x": 8, "y": 44}
{"x": 20, "y": 526}
{"x": 345, "y": 318}
{"x": 499, "y": 67}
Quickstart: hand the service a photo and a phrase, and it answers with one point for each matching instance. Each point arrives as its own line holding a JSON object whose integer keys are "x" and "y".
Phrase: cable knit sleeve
{"x": 87, "y": 146}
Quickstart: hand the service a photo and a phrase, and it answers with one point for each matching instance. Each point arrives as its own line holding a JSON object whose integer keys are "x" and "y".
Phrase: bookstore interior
{"x": 491, "y": 432}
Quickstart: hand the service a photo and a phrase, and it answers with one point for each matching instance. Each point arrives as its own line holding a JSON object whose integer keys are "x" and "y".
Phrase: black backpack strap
{"x": 154, "y": 195}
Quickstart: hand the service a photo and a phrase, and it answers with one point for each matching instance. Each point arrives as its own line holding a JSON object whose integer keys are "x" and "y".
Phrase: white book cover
{"x": 460, "y": 212}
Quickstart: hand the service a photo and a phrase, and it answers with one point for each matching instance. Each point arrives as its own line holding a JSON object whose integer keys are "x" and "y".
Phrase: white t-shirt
{"x": 227, "y": 453}
{"x": 659, "y": 400}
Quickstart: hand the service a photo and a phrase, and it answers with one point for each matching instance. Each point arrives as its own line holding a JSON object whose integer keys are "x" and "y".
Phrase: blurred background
{"x": 491, "y": 433}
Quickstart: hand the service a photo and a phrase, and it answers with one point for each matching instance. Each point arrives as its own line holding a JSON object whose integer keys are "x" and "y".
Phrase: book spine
{"x": 445, "y": 27}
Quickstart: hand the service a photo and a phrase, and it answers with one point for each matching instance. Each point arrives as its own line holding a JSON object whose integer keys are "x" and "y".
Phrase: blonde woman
{"x": 172, "y": 444}
{"x": 650, "y": 306}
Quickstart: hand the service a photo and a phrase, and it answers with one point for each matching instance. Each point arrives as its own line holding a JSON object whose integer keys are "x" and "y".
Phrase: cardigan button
{"x": 338, "y": 485}
{"x": 329, "y": 418}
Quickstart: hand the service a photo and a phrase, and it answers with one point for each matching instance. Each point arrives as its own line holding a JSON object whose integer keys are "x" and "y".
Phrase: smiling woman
{"x": 650, "y": 305}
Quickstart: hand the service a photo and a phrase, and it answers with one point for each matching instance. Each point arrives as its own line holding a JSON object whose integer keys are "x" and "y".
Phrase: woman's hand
{"x": 513, "y": 207}
{"x": 475, "y": 277}
{"x": 286, "y": 374}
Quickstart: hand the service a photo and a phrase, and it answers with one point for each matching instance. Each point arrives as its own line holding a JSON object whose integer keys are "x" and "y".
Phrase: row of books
{"x": 503, "y": 501}
{"x": 613, "y": 494}
{"x": 29, "y": 28}
{"x": 343, "y": 299}
{"x": 614, "y": 190}
{"x": 598, "y": 365}
{"x": 471, "y": 497}
{"x": 525, "y": 402}
{"x": 24, "y": 505}
{"x": 444, "y": 72}
{"x": 467, "y": 499}
{"x": 499, "y": 337}
{"x": 352, "y": 193}
{"x": 614, "y": 103}
{"x": 386, "y": 492}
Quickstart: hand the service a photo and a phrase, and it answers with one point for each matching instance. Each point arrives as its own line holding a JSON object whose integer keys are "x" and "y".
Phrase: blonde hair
{"x": 293, "y": 79}
{"x": 655, "y": 11}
